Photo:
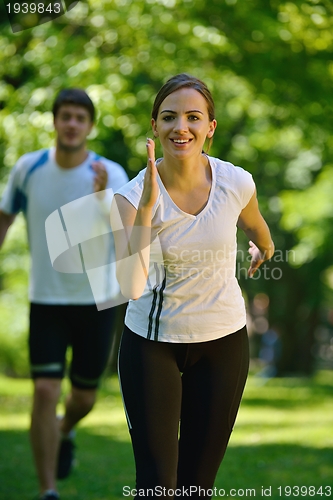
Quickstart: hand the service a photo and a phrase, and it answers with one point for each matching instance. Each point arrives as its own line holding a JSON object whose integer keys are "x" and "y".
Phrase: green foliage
{"x": 269, "y": 66}
{"x": 302, "y": 210}
{"x": 14, "y": 264}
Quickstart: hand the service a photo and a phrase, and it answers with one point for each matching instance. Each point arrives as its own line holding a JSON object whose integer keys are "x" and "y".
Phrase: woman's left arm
{"x": 255, "y": 227}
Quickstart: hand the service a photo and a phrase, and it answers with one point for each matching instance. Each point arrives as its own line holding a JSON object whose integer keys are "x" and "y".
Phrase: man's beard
{"x": 69, "y": 149}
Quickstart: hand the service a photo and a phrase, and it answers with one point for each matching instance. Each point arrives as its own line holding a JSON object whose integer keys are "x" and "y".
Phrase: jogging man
{"x": 63, "y": 310}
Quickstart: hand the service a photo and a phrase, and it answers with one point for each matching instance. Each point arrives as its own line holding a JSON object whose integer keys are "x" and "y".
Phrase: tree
{"x": 269, "y": 66}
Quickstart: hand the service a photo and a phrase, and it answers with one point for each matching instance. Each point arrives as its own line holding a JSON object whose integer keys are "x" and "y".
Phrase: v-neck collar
{"x": 210, "y": 196}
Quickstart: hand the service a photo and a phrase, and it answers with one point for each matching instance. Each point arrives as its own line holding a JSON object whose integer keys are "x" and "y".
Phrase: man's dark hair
{"x": 74, "y": 96}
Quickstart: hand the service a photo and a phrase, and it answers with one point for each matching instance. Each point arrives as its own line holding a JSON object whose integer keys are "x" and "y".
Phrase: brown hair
{"x": 183, "y": 80}
{"x": 74, "y": 96}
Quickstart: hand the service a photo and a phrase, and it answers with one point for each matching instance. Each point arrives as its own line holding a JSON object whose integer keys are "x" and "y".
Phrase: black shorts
{"x": 53, "y": 328}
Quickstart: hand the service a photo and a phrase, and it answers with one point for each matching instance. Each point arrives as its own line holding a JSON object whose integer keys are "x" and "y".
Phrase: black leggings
{"x": 199, "y": 385}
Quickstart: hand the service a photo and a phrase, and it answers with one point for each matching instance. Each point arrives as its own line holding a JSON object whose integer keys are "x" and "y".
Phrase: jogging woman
{"x": 184, "y": 352}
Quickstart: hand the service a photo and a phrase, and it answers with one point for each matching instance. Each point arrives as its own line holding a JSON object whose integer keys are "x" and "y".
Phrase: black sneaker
{"x": 66, "y": 456}
{"x": 49, "y": 495}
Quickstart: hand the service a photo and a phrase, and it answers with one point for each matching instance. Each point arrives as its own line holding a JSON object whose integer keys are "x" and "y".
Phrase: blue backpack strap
{"x": 20, "y": 198}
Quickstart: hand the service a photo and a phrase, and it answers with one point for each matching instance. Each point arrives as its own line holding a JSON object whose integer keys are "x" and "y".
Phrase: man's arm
{"x": 5, "y": 221}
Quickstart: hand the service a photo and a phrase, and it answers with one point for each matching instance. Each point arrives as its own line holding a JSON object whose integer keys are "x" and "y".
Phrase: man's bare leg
{"x": 44, "y": 431}
{"x": 78, "y": 404}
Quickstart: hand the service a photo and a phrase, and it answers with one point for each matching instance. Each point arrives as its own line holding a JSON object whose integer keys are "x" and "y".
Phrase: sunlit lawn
{"x": 283, "y": 437}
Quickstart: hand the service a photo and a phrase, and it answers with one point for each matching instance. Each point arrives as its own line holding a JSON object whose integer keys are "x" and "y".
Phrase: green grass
{"x": 283, "y": 437}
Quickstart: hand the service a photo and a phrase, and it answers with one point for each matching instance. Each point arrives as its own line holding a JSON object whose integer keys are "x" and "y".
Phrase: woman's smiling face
{"x": 183, "y": 124}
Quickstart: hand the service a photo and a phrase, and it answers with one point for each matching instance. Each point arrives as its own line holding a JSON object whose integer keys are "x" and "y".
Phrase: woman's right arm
{"x": 256, "y": 229}
{"x": 132, "y": 232}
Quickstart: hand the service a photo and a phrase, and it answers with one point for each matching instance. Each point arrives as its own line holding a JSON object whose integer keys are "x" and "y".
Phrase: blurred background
{"x": 269, "y": 65}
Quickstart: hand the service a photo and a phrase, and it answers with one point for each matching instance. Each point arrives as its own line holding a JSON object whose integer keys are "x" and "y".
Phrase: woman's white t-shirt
{"x": 192, "y": 294}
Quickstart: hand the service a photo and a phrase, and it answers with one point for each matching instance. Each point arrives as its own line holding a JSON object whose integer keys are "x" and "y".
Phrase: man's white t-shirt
{"x": 38, "y": 186}
{"x": 192, "y": 294}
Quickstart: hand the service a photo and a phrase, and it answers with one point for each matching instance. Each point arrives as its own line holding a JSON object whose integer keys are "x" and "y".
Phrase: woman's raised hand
{"x": 150, "y": 187}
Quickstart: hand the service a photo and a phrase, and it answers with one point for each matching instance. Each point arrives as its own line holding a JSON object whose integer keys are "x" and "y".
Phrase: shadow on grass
{"x": 105, "y": 466}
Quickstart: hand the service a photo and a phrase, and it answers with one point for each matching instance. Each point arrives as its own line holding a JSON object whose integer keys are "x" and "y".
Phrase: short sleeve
{"x": 132, "y": 191}
{"x": 245, "y": 186}
{"x": 14, "y": 197}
